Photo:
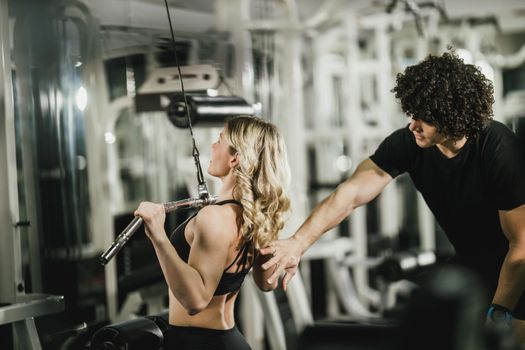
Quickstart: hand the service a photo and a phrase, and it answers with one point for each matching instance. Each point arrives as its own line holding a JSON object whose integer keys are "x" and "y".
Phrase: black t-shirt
{"x": 464, "y": 192}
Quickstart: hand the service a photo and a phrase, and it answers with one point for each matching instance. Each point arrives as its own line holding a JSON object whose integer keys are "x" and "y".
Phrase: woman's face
{"x": 221, "y": 160}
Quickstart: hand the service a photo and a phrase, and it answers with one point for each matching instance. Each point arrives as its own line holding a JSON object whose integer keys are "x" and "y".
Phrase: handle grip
{"x": 125, "y": 235}
{"x": 121, "y": 239}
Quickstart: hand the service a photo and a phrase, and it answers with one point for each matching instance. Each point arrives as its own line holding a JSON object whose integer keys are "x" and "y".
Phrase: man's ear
{"x": 234, "y": 160}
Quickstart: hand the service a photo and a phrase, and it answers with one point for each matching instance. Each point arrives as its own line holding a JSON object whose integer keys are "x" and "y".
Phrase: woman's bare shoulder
{"x": 217, "y": 220}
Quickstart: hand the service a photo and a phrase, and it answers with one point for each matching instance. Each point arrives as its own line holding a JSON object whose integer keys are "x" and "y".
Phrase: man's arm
{"x": 365, "y": 184}
{"x": 512, "y": 275}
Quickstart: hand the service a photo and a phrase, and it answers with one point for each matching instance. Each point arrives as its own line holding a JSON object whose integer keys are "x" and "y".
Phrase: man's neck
{"x": 451, "y": 148}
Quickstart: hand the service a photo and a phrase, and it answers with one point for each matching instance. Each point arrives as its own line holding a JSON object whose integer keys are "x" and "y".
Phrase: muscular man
{"x": 469, "y": 169}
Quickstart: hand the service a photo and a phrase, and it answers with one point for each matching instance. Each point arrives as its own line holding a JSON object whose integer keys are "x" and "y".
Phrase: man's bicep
{"x": 513, "y": 224}
{"x": 368, "y": 180}
{"x": 503, "y": 169}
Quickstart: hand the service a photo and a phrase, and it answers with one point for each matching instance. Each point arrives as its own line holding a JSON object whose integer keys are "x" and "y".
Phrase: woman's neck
{"x": 228, "y": 184}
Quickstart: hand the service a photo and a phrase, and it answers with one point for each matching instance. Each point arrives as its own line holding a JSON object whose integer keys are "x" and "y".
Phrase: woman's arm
{"x": 192, "y": 283}
{"x": 261, "y": 276}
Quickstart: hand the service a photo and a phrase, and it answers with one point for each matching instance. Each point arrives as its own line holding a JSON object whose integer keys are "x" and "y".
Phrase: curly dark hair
{"x": 445, "y": 92}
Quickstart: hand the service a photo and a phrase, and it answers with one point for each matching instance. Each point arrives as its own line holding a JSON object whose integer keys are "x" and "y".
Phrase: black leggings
{"x": 193, "y": 338}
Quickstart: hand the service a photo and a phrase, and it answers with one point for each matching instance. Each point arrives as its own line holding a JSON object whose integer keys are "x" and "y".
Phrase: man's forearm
{"x": 511, "y": 283}
{"x": 326, "y": 215}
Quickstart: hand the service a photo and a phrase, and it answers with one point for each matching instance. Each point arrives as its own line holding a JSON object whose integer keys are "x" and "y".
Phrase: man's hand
{"x": 499, "y": 315}
{"x": 286, "y": 254}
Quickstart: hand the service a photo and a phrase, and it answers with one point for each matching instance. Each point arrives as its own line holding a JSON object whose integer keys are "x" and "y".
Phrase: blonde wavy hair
{"x": 262, "y": 176}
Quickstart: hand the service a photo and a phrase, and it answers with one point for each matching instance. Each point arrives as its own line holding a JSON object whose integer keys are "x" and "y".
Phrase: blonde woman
{"x": 208, "y": 256}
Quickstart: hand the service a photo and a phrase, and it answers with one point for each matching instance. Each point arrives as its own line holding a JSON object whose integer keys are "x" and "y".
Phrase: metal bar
{"x": 128, "y": 232}
{"x": 27, "y": 335}
{"x": 10, "y": 255}
{"x": 31, "y": 306}
{"x": 27, "y": 142}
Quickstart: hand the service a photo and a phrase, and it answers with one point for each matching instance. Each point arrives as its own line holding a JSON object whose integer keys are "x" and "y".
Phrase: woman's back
{"x": 218, "y": 314}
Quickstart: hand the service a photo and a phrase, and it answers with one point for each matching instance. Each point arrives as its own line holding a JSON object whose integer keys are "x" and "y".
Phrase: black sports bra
{"x": 230, "y": 281}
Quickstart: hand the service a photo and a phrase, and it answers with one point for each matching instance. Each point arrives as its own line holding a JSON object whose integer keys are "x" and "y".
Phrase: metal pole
{"x": 10, "y": 254}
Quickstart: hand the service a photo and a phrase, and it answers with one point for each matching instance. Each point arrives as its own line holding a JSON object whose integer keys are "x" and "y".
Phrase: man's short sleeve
{"x": 395, "y": 154}
{"x": 504, "y": 167}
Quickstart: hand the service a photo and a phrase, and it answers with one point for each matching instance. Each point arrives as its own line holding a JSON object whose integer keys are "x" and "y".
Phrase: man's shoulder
{"x": 496, "y": 133}
{"x": 497, "y": 141}
{"x": 400, "y": 133}
{"x": 400, "y": 140}
{"x": 403, "y": 136}
{"x": 495, "y": 128}
{"x": 396, "y": 152}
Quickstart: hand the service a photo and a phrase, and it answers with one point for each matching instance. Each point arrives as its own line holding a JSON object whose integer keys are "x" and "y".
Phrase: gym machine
{"x": 16, "y": 307}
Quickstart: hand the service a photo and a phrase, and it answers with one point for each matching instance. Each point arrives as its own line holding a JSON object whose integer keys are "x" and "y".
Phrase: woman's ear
{"x": 234, "y": 160}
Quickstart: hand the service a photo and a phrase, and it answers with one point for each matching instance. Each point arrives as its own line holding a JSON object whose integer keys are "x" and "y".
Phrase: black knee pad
{"x": 161, "y": 320}
{"x": 139, "y": 334}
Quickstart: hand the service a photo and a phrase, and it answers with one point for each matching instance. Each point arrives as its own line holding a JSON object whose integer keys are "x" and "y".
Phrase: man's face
{"x": 425, "y": 134}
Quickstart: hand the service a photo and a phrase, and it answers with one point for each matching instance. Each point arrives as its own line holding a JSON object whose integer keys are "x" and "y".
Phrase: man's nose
{"x": 414, "y": 125}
